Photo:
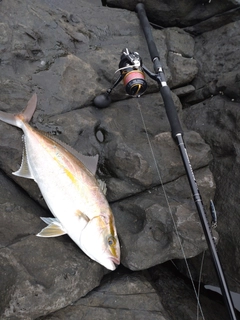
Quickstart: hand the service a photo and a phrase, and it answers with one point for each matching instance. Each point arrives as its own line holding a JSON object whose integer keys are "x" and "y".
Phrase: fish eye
{"x": 111, "y": 241}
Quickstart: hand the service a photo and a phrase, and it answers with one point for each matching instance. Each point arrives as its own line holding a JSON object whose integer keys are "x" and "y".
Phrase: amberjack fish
{"x": 68, "y": 184}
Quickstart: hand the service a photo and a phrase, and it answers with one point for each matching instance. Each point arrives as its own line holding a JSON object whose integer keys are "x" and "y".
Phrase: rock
{"x": 67, "y": 52}
{"x": 183, "y": 302}
{"x": 19, "y": 218}
{"x": 216, "y": 119}
{"x": 147, "y": 224}
{"x": 179, "y": 42}
{"x": 183, "y": 91}
{"x": 178, "y": 13}
{"x": 65, "y": 80}
{"x": 218, "y": 63}
{"x": 35, "y": 278}
{"x": 228, "y": 85}
{"x": 41, "y": 285}
{"x": 180, "y": 57}
{"x": 121, "y": 295}
{"x": 214, "y": 22}
{"x": 185, "y": 72}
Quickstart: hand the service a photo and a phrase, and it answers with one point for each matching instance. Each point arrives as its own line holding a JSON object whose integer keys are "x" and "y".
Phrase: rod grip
{"x": 147, "y": 30}
{"x": 171, "y": 111}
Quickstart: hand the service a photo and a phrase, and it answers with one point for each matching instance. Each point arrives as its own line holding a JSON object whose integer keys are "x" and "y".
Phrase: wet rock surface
{"x": 67, "y": 52}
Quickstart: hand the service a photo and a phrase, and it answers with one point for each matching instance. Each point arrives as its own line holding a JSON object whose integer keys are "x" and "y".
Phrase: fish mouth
{"x": 111, "y": 263}
{"x": 115, "y": 260}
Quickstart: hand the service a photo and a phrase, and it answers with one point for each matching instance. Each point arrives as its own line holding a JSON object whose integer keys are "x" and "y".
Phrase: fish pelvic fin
{"x": 54, "y": 228}
{"x": 25, "y": 116}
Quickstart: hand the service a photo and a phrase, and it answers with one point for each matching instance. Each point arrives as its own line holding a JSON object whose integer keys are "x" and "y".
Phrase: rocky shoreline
{"x": 67, "y": 52}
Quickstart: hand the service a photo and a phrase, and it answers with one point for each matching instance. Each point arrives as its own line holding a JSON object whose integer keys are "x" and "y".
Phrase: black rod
{"x": 177, "y": 134}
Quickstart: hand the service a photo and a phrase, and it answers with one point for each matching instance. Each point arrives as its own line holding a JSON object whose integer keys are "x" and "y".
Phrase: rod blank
{"x": 177, "y": 134}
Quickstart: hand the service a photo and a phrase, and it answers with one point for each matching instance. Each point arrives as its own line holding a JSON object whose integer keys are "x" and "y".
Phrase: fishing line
{"x": 199, "y": 281}
{"x": 170, "y": 210}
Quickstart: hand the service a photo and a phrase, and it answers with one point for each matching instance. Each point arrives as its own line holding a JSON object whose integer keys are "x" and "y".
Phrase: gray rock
{"x": 120, "y": 296}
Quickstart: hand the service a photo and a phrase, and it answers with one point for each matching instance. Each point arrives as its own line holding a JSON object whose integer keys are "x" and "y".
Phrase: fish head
{"x": 100, "y": 242}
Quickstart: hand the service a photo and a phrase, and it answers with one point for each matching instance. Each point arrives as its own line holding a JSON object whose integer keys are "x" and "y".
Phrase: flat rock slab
{"x": 120, "y": 296}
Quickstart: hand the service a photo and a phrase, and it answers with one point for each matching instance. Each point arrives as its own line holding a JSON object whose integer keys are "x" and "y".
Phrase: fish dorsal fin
{"x": 90, "y": 162}
{"x": 54, "y": 228}
{"x": 24, "y": 170}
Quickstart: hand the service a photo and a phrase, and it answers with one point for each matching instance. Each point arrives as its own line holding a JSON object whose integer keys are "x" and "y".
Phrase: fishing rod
{"x": 132, "y": 73}
{"x": 177, "y": 134}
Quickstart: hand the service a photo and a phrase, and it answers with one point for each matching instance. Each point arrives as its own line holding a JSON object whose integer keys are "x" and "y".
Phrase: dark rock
{"x": 183, "y": 91}
{"x": 178, "y": 13}
{"x": 185, "y": 71}
{"x": 68, "y": 52}
{"x": 147, "y": 224}
{"x": 179, "y": 42}
{"x": 216, "y": 119}
{"x": 214, "y": 22}
{"x": 38, "y": 275}
{"x": 182, "y": 303}
{"x": 218, "y": 62}
{"x": 19, "y": 218}
{"x": 120, "y": 296}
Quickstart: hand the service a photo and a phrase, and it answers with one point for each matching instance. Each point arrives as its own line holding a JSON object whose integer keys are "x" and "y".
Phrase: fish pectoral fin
{"x": 80, "y": 214}
{"x": 24, "y": 170}
{"x": 54, "y": 228}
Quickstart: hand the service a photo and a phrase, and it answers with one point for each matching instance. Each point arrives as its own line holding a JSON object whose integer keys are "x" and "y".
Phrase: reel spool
{"x": 132, "y": 74}
{"x": 130, "y": 67}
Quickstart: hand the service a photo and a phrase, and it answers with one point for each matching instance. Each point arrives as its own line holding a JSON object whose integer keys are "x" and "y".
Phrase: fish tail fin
{"x": 25, "y": 116}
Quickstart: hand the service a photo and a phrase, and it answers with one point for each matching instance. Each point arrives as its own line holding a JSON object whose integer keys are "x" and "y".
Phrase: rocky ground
{"x": 67, "y": 52}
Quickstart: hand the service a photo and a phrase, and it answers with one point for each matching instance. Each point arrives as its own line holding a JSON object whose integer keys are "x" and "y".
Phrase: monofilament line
{"x": 170, "y": 210}
{"x": 199, "y": 281}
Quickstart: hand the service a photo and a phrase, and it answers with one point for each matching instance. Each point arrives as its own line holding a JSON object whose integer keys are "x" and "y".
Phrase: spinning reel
{"x": 132, "y": 73}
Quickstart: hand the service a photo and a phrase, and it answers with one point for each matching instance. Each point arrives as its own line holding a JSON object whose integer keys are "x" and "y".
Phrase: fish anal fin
{"x": 54, "y": 229}
{"x": 24, "y": 170}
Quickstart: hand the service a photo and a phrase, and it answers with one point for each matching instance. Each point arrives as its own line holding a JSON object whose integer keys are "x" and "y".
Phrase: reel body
{"x": 132, "y": 73}
{"x": 131, "y": 70}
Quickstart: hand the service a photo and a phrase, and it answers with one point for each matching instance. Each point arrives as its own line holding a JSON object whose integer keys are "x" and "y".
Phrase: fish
{"x": 73, "y": 194}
